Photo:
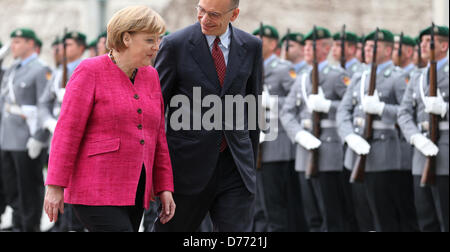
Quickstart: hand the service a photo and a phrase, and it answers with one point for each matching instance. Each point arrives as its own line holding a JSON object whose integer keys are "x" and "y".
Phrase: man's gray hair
{"x": 235, "y": 3}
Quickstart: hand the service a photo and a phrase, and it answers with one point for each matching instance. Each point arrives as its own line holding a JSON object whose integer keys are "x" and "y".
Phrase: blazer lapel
{"x": 202, "y": 56}
{"x": 235, "y": 59}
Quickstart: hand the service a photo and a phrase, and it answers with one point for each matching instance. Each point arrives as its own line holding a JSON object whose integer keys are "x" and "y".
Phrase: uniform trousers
{"x": 23, "y": 185}
{"x": 282, "y": 197}
{"x": 432, "y": 204}
{"x": 391, "y": 202}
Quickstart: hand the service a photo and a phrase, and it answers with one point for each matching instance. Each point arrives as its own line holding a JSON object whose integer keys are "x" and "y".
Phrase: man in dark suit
{"x": 214, "y": 170}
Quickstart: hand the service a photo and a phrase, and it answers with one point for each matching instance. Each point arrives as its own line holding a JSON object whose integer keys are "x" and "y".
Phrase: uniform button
{"x": 136, "y": 96}
{"x": 139, "y": 126}
{"x": 142, "y": 142}
{"x": 139, "y": 111}
{"x": 382, "y": 137}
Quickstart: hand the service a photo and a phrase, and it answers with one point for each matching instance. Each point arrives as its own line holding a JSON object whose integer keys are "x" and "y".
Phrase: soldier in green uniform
{"x": 21, "y": 138}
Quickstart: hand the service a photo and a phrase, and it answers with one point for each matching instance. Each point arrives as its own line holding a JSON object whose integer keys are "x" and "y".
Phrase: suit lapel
{"x": 235, "y": 60}
{"x": 202, "y": 55}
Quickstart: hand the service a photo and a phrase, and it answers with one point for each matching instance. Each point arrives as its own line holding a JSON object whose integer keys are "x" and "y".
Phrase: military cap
{"x": 102, "y": 35}
{"x": 57, "y": 41}
{"x": 38, "y": 42}
{"x": 92, "y": 44}
{"x": 321, "y": 33}
{"x": 383, "y": 35}
{"x": 297, "y": 37}
{"x": 24, "y": 33}
{"x": 78, "y": 36}
{"x": 438, "y": 31}
{"x": 349, "y": 37}
{"x": 268, "y": 31}
{"x": 417, "y": 40}
{"x": 166, "y": 33}
{"x": 406, "y": 40}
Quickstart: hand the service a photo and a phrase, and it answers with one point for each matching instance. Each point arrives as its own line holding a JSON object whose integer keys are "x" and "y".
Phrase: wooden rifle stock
{"x": 64, "y": 77}
{"x": 313, "y": 166}
{"x": 343, "y": 39}
{"x": 359, "y": 169}
{"x": 429, "y": 172}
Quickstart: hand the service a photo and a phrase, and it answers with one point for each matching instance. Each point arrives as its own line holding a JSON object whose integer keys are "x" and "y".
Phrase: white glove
{"x": 319, "y": 103}
{"x": 424, "y": 145}
{"x": 436, "y": 105}
{"x": 262, "y": 137}
{"x": 34, "y": 148}
{"x": 60, "y": 94}
{"x": 373, "y": 105}
{"x": 307, "y": 140}
{"x": 50, "y": 124}
{"x": 358, "y": 144}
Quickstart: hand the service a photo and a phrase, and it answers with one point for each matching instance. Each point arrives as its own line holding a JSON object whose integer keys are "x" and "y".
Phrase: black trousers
{"x": 331, "y": 201}
{"x": 260, "y": 219}
{"x": 282, "y": 197}
{"x": 23, "y": 185}
{"x": 311, "y": 209}
{"x": 432, "y": 204}
{"x": 391, "y": 201}
{"x": 226, "y": 198}
{"x": 2, "y": 191}
{"x": 114, "y": 218}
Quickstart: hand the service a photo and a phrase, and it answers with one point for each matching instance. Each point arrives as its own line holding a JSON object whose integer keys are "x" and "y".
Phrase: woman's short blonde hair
{"x": 133, "y": 19}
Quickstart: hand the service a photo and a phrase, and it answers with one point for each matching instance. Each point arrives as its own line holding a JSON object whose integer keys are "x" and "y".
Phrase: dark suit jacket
{"x": 185, "y": 62}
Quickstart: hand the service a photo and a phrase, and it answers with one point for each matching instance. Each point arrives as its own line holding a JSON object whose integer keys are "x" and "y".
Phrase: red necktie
{"x": 221, "y": 68}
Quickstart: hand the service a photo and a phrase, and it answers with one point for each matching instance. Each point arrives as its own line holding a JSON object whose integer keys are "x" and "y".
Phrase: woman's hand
{"x": 168, "y": 207}
{"x": 54, "y": 202}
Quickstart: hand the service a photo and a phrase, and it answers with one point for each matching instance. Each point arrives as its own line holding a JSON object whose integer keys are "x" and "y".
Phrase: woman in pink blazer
{"x": 109, "y": 153}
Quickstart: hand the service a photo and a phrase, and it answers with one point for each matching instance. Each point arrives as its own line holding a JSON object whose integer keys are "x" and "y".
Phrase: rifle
{"x": 64, "y": 77}
{"x": 363, "y": 52}
{"x": 4, "y": 51}
{"x": 286, "y": 56}
{"x": 429, "y": 172}
{"x": 313, "y": 166}
{"x": 343, "y": 39}
{"x": 399, "y": 52}
{"x": 359, "y": 169}
{"x": 419, "y": 56}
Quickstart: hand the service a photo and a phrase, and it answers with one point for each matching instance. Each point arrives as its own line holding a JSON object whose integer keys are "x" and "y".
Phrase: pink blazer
{"x": 107, "y": 130}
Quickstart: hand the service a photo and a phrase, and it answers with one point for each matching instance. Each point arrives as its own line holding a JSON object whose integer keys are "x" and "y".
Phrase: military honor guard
{"x": 382, "y": 152}
{"x": 21, "y": 138}
{"x": 327, "y": 195}
{"x": 414, "y": 120}
{"x": 281, "y": 189}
